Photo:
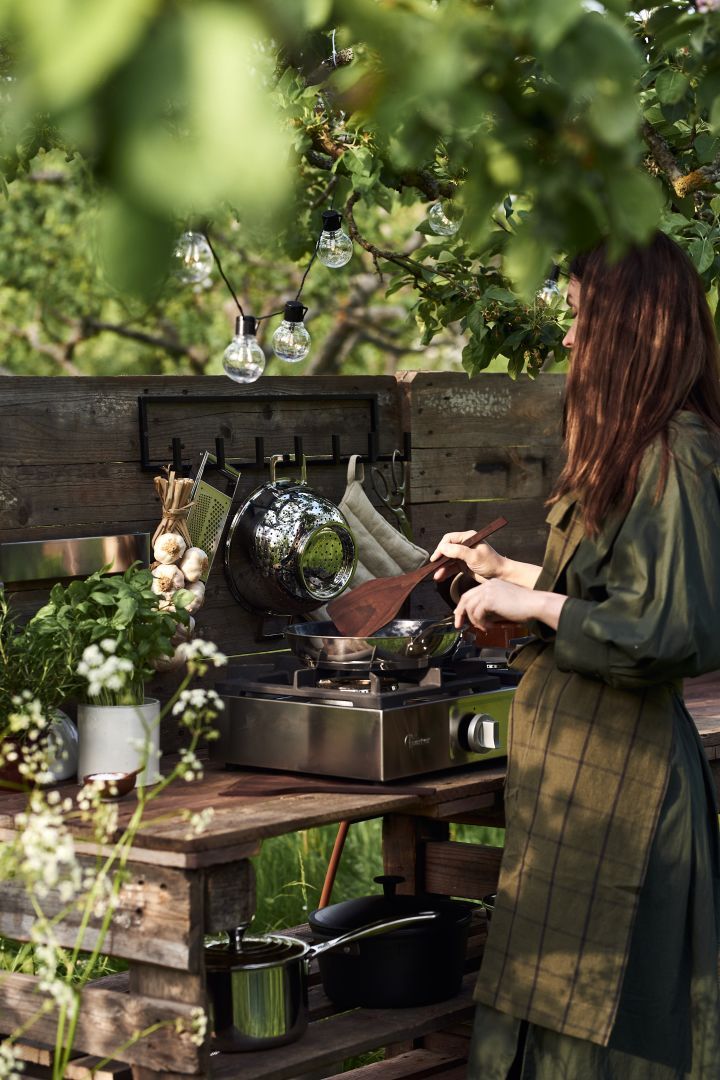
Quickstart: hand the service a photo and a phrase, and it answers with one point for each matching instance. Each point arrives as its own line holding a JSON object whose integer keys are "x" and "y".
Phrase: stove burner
{"x": 285, "y": 680}
{"x": 374, "y": 684}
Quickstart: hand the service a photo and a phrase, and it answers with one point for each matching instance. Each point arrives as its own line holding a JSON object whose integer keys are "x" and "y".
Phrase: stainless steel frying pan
{"x": 401, "y": 645}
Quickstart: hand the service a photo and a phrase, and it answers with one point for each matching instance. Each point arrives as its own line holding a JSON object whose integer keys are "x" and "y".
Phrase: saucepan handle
{"x": 277, "y": 459}
{"x": 370, "y": 931}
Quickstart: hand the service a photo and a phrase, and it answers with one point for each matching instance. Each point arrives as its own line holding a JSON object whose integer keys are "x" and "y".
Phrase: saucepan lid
{"x": 349, "y": 914}
{"x": 240, "y": 951}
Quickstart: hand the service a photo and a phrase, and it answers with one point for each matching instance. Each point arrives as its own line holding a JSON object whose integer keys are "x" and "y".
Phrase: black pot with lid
{"x": 415, "y": 965}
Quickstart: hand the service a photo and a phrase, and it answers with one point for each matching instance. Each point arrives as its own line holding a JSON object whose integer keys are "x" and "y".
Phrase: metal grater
{"x": 209, "y": 511}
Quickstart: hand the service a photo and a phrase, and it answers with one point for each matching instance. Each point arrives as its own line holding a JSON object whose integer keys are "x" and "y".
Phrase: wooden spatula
{"x": 364, "y": 610}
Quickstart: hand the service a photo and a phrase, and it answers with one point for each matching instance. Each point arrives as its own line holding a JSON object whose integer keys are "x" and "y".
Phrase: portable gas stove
{"x": 371, "y": 726}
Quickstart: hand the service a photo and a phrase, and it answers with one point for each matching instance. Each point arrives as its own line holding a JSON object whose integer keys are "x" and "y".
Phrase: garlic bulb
{"x": 182, "y": 632}
{"x": 168, "y": 663}
{"x": 194, "y": 564}
{"x": 169, "y": 548}
{"x": 198, "y": 589}
{"x": 172, "y": 663}
{"x": 167, "y": 579}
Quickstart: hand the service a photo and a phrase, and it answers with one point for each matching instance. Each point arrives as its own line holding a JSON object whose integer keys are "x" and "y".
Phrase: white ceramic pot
{"x": 62, "y": 747}
{"x": 111, "y": 738}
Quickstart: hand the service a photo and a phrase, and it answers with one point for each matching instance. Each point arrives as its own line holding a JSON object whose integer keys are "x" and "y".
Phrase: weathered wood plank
{"x": 467, "y": 870}
{"x": 343, "y": 1036}
{"x": 446, "y": 409}
{"x": 229, "y": 895}
{"x": 46, "y": 413}
{"x": 479, "y": 473}
{"x": 403, "y": 849}
{"x": 524, "y": 536}
{"x": 159, "y": 983}
{"x": 80, "y": 1067}
{"x": 413, "y": 1065}
{"x": 159, "y": 916}
{"x": 107, "y": 1021}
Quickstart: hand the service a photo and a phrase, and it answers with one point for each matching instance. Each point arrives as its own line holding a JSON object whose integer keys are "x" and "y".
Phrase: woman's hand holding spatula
{"x": 361, "y": 612}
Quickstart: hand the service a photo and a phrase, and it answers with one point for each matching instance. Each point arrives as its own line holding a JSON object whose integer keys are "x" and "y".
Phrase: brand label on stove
{"x": 412, "y": 741}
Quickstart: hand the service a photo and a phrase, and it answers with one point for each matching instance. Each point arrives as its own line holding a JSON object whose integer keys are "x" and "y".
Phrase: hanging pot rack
{"x": 336, "y": 456}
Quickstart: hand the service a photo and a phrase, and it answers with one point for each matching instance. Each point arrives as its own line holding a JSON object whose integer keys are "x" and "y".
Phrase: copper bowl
{"x": 112, "y": 785}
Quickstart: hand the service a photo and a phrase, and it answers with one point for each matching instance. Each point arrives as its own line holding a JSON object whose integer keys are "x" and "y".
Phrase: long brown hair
{"x": 645, "y": 347}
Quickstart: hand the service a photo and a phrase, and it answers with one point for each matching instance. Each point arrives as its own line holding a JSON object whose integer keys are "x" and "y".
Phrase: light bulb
{"x": 549, "y": 293}
{"x": 193, "y": 258}
{"x": 334, "y": 248}
{"x": 244, "y": 360}
{"x": 443, "y": 218}
{"x": 291, "y": 341}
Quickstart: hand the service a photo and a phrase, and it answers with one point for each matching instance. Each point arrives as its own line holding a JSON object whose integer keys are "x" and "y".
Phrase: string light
{"x": 291, "y": 340}
{"x": 334, "y": 248}
{"x": 549, "y": 293}
{"x": 194, "y": 258}
{"x": 244, "y": 360}
{"x": 443, "y": 218}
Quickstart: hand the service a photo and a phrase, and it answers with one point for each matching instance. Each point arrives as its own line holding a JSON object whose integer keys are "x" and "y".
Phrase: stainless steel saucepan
{"x": 257, "y": 987}
{"x": 401, "y": 645}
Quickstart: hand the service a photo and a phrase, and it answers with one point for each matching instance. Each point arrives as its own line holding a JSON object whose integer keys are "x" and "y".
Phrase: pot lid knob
{"x": 236, "y": 935}
{"x": 389, "y": 883}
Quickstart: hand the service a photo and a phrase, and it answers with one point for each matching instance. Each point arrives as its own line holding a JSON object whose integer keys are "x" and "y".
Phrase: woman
{"x": 602, "y": 956}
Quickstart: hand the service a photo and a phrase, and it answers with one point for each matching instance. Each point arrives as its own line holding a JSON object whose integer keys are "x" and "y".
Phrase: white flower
{"x": 10, "y": 1066}
{"x": 196, "y": 699}
{"x": 47, "y": 850}
{"x": 205, "y": 650}
{"x": 196, "y": 1029}
{"x": 198, "y": 822}
{"x": 104, "y": 670}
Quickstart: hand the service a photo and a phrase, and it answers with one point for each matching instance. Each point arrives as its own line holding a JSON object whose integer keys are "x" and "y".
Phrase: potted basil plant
{"x": 113, "y": 631}
{"x": 38, "y": 742}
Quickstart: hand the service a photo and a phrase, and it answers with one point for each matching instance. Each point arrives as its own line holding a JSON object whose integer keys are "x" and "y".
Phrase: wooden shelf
{"x": 329, "y": 1041}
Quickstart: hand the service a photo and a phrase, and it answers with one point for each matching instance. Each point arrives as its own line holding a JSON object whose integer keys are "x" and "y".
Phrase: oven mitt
{"x": 382, "y": 549}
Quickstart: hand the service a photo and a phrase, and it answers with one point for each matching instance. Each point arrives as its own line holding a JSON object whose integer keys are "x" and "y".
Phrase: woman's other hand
{"x": 482, "y": 561}
{"x": 499, "y": 601}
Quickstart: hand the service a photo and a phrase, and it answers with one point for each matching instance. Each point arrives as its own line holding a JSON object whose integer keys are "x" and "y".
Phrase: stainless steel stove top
{"x": 370, "y": 726}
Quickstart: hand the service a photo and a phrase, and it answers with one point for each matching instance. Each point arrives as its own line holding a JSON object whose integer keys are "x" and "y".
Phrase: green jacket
{"x": 591, "y": 735}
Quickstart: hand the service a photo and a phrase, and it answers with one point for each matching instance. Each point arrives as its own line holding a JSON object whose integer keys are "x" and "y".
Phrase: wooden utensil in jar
{"x": 362, "y": 611}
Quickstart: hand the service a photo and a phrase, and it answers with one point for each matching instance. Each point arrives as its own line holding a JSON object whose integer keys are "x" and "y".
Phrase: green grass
{"x": 291, "y": 869}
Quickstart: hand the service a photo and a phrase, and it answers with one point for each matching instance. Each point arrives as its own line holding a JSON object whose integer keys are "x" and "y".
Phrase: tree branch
{"x": 60, "y": 353}
{"x": 681, "y": 183}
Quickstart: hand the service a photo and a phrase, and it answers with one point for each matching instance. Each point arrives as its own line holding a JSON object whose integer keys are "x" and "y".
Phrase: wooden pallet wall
{"x": 70, "y": 455}
{"x": 482, "y": 448}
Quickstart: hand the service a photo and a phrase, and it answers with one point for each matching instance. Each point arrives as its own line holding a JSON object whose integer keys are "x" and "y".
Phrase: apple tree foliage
{"x": 546, "y": 124}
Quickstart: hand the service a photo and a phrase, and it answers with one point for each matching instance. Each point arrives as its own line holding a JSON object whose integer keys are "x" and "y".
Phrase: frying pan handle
{"x": 370, "y": 931}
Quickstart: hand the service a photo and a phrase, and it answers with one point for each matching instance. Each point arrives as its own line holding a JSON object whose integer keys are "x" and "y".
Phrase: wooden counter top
{"x": 241, "y": 823}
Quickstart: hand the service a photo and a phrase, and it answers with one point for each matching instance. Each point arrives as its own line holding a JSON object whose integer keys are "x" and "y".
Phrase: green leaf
{"x": 671, "y": 86}
{"x": 516, "y": 338}
{"x": 636, "y": 204}
{"x": 527, "y": 261}
{"x": 182, "y": 598}
{"x": 317, "y": 12}
{"x": 550, "y": 21}
{"x": 125, "y": 614}
{"x": 71, "y": 45}
{"x": 102, "y": 598}
{"x": 494, "y": 292}
{"x": 702, "y": 254}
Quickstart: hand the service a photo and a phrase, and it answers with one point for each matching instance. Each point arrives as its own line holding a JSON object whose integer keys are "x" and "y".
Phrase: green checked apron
{"x": 604, "y": 936}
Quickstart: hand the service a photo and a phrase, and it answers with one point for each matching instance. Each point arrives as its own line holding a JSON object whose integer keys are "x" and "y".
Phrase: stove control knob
{"x": 480, "y": 733}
